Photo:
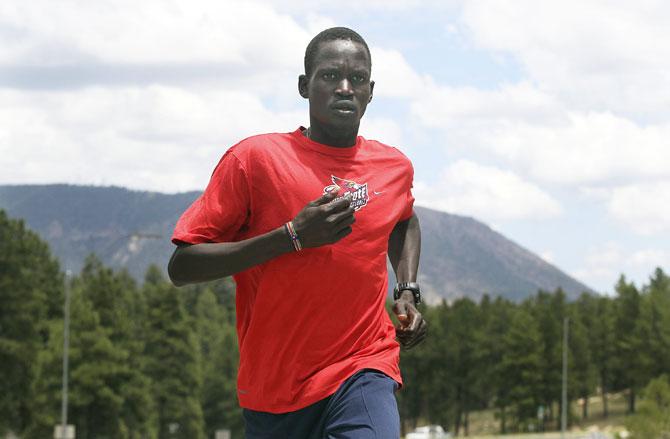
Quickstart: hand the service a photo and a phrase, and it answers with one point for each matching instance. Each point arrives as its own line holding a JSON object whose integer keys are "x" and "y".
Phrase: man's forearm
{"x": 404, "y": 249}
{"x": 205, "y": 262}
{"x": 323, "y": 221}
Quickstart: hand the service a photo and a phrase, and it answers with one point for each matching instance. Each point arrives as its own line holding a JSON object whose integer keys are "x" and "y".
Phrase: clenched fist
{"x": 324, "y": 221}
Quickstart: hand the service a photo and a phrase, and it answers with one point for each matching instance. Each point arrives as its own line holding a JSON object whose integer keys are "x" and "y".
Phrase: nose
{"x": 344, "y": 88}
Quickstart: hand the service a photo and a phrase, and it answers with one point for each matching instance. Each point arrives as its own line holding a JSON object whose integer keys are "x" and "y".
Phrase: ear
{"x": 372, "y": 89}
{"x": 302, "y": 86}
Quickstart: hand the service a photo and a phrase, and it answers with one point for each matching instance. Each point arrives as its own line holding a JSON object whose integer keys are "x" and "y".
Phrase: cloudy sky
{"x": 549, "y": 121}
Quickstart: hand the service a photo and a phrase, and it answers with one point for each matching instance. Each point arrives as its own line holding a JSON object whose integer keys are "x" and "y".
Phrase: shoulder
{"x": 259, "y": 144}
{"x": 387, "y": 152}
{"x": 253, "y": 150}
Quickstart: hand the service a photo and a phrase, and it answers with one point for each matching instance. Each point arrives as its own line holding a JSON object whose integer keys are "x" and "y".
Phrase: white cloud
{"x": 596, "y": 54}
{"x": 537, "y": 135}
{"x": 384, "y": 130}
{"x": 157, "y": 138}
{"x": 393, "y": 75}
{"x": 442, "y": 104}
{"x": 486, "y": 192}
{"x": 603, "y": 264}
{"x": 368, "y": 6}
{"x": 649, "y": 259}
{"x": 644, "y": 207}
{"x": 123, "y": 31}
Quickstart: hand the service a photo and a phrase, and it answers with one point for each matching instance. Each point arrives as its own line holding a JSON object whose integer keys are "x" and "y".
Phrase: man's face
{"x": 339, "y": 87}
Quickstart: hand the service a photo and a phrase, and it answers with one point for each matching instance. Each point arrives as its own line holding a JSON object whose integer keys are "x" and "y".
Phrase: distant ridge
{"x": 132, "y": 229}
{"x": 465, "y": 257}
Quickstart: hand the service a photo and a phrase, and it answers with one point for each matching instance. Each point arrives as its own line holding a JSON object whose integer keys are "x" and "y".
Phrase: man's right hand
{"x": 324, "y": 220}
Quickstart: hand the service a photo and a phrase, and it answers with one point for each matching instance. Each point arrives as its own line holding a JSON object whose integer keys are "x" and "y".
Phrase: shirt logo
{"x": 357, "y": 192}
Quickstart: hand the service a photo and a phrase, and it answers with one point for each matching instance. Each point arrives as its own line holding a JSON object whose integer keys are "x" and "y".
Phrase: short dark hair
{"x": 332, "y": 34}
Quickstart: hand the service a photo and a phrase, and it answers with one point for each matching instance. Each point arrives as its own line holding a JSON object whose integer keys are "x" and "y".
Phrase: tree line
{"x": 154, "y": 361}
{"x": 507, "y": 356}
{"x": 145, "y": 361}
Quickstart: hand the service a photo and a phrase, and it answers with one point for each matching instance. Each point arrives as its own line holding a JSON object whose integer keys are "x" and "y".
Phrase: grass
{"x": 485, "y": 425}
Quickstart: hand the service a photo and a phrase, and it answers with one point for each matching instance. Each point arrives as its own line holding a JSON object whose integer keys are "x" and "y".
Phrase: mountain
{"x": 461, "y": 256}
{"x": 131, "y": 229}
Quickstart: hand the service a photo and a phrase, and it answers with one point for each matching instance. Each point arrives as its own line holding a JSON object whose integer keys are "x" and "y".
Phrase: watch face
{"x": 412, "y": 286}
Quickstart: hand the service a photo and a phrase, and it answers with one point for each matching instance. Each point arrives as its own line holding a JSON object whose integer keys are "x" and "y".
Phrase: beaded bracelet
{"x": 297, "y": 245}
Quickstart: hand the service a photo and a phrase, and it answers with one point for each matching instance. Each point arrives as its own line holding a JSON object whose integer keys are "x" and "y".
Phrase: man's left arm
{"x": 404, "y": 249}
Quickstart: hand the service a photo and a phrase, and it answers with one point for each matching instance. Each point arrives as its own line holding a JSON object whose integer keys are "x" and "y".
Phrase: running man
{"x": 304, "y": 221}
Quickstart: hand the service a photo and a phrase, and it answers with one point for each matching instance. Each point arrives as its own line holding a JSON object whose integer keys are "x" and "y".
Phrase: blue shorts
{"x": 364, "y": 407}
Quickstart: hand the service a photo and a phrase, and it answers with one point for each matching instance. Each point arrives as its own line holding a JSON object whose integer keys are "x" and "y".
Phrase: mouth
{"x": 345, "y": 107}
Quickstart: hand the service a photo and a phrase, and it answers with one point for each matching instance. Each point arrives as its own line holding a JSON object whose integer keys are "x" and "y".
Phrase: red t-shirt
{"x": 308, "y": 320}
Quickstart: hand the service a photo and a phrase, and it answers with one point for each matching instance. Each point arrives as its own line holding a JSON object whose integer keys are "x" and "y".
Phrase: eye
{"x": 358, "y": 79}
{"x": 329, "y": 76}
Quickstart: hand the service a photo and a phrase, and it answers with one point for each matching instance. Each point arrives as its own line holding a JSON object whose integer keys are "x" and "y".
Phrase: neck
{"x": 337, "y": 139}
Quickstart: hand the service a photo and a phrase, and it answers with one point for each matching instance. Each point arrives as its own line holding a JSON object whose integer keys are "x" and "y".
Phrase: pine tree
{"x": 483, "y": 389}
{"x": 414, "y": 395}
{"x": 431, "y": 370}
{"x": 522, "y": 367}
{"x": 492, "y": 351}
{"x": 549, "y": 311}
{"x": 116, "y": 300}
{"x": 655, "y": 315}
{"x": 602, "y": 347}
{"x": 30, "y": 296}
{"x": 215, "y": 326}
{"x": 173, "y": 361}
{"x": 582, "y": 372}
{"x": 465, "y": 324}
{"x": 628, "y": 366}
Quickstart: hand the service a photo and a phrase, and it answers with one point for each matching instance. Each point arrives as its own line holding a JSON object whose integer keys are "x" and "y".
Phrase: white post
{"x": 64, "y": 433}
{"x": 564, "y": 399}
{"x": 66, "y": 348}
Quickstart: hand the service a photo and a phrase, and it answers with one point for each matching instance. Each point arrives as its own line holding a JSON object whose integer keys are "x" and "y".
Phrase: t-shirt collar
{"x": 326, "y": 149}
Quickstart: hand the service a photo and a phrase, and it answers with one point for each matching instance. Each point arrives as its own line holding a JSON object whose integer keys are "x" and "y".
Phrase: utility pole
{"x": 564, "y": 398}
{"x": 66, "y": 348}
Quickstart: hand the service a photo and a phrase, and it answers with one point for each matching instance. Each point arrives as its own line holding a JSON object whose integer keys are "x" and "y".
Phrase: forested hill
{"x": 460, "y": 256}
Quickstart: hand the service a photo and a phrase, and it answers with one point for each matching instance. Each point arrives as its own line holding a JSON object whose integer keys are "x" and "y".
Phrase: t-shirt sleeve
{"x": 221, "y": 211}
{"x": 409, "y": 197}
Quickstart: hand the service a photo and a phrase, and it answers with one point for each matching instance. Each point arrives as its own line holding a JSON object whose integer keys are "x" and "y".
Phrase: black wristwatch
{"x": 411, "y": 286}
